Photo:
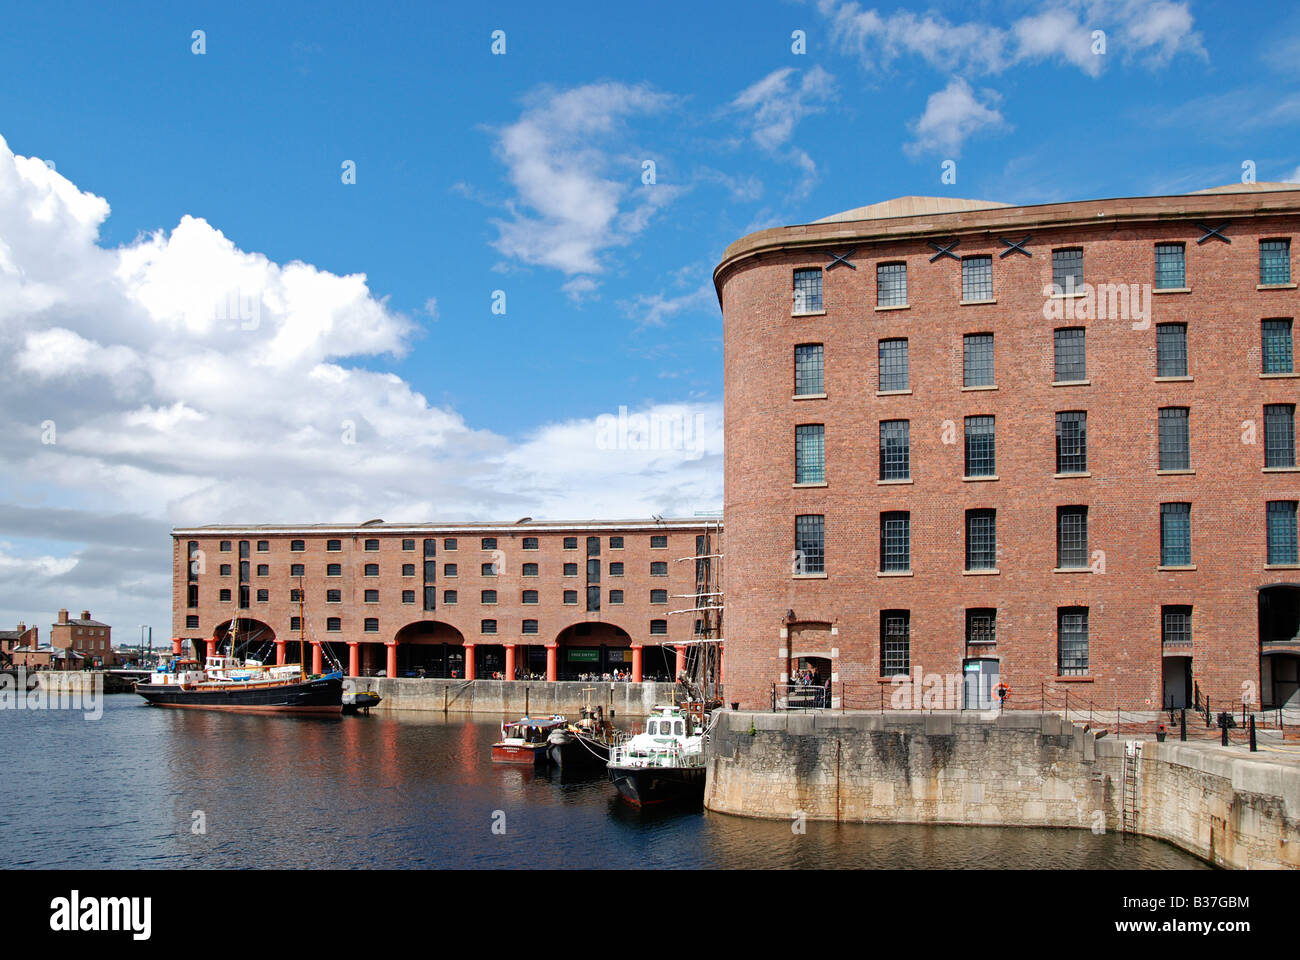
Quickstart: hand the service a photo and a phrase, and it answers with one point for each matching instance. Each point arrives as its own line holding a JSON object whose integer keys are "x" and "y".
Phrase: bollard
{"x": 1182, "y": 724}
{"x": 1250, "y": 725}
{"x": 1223, "y": 730}
{"x": 1207, "y": 711}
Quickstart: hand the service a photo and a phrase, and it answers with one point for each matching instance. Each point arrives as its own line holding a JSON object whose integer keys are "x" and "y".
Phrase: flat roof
{"x": 467, "y": 526}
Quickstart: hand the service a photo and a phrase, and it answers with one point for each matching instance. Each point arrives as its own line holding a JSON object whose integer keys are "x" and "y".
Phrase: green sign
{"x": 584, "y": 653}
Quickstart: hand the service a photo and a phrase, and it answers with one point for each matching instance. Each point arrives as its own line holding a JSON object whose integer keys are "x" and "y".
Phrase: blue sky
{"x": 521, "y": 173}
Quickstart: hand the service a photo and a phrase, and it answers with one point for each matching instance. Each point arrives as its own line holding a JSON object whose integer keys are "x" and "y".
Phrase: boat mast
{"x": 302, "y": 642}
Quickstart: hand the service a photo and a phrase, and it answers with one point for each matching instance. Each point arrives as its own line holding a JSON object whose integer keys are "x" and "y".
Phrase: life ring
{"x": 1002, "y": 690}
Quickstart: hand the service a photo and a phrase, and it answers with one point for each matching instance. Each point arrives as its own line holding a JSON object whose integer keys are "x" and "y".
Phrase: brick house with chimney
{"x": 89, "y": 638}
{"x": 24, "y": 639}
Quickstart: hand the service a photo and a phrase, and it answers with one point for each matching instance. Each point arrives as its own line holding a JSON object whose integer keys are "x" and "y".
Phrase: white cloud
{"x": 1150, "y": 32}
{"x": 577, "y": 178}
{"x": 1294, "y": 176}
{"x": 189, "y": 381}
{"x": 775, "y": 105}
{"x": 653, "y": 310}
{"x": 952, "y": 115}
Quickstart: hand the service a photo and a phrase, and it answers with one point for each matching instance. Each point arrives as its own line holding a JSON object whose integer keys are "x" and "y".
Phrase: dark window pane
{"x": 810, "y": 544}
{"x": 977, "y": 349}
{"x": 891, "y": 285}
{"x": 1171, "y": 266}
{"x": 893, "y": 365}
{"x": 1171, "y": 350}
{"x": 808, "y": 290}
{"x": 1274, "y": 261}
{"x": 977, "y": 278}
{"x": 1282, "y": 531}
{"x": 981, "y": 626}
{"x": 895, "y": 450}
{"x": 1279, "y": 435}
{"x": 981, "y": 540}
{"x": 1175, "y": 450}
{"x": 1071, "y": 355}
{"x": 895, "y": 541}
{"x": 810, "y": 453}
{"x": 1072, "y": 641}
{"x": 1176, "y": 625}
{"x": 808, "y": 369}
{"x": 1278, "y": 351}
{"x": 1176, "y": 534}
{"x": 1072, "y": 441}
{"x": 981, "y": 442}
{"x": 1071, "y": 537}
{"x": 1067, "y": 270}
{"x": 895, "y": 642}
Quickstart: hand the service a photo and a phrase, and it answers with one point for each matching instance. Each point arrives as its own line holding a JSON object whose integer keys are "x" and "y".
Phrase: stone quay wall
{"x": 1224, "y": 805}
{"x": 502, "y": 698}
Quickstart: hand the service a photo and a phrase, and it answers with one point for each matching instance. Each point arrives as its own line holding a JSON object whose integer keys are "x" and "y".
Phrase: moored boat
{"x": 584, "y": 743}
{"x": 525, "y": 740}
{"x": 664, "y": 764}
{"x": 248, "y": 687}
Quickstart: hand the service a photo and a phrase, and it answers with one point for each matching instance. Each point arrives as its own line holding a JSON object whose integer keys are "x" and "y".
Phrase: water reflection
{"x": 414, "y": 790}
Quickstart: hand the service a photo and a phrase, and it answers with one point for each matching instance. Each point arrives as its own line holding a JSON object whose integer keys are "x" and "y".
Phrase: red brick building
{"x": 83, "y": 637}
{"x": 1048, "y": 445}
{"x": 470, "y": 600}
{"x": 24, "y": 639}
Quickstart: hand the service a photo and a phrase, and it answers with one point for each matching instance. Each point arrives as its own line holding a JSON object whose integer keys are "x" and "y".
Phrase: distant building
{"x": 23, "y": 638}
{"x": 83, "y": 638}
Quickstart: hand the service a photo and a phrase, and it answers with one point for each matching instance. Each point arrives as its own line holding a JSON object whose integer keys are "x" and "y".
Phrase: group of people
{"x": 806, "y": 678}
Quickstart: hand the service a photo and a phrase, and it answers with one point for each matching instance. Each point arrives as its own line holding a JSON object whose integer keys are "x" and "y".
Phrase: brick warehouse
{"x": 939, "y": 463}
{"x": 471, "y": 600}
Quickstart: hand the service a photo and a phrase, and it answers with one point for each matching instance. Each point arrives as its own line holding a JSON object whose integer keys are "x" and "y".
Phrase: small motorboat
{"x": 665, "y": 763}
{"x": 584, "y": 743}
{"x": 525, "y": 740}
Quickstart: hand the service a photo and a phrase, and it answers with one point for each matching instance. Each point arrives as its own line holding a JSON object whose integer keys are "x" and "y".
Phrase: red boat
{"x": 525, "y": 740}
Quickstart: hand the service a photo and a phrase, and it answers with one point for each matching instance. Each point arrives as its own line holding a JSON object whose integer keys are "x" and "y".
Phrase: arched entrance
{"x": 254, "y": 640}
{"x": 591, "y": 650}
{"x": 430, "y": 648}
{"x": 1279, "y": 645}
{"x": 659, "y": 662}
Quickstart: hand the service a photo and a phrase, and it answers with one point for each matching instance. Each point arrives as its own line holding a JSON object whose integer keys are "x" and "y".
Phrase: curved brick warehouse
{"x": 1051, "y": 445}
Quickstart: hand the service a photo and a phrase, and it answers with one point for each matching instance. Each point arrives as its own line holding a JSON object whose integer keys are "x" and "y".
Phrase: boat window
{"x": 678, "y": 728}
{"x": 652, "y": 728}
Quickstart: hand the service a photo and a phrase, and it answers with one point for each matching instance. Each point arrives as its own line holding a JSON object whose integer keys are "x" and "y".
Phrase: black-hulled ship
{"x": 662, "y": 765}
{"x": 583, "y": 744}
{"x": 247, "y": 686}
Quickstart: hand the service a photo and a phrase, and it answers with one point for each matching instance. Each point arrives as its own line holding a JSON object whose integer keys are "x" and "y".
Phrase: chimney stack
{"x": 85, "y": 614}
{"x": 63, "y": 615}
{"x": 22, "y": 627}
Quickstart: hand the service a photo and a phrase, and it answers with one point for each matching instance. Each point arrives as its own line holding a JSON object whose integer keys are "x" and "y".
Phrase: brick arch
{"x": 259, "y": 633}
{"x": 591, "y": 646}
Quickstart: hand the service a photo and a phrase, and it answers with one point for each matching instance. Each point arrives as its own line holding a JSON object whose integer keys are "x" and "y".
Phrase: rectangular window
{"x": 372, "y": 596}
{"x": 243, "y": 549}
{"x": 448, "y": 543}
{"x": 570, "y": 543}
{"x": 1071, "y": 355}
{"x": 659, "y": 568}
{"x": 530, "y": 596}
{"x": 1071, "y": 641}
{"x": 895, "y": 642}
{"x": 570, "y": 569}
{"x": 448, "y": 570}
{"x": 333, "y": 546}
{"x": 977, "y": 351}
{"x": 431, "y": 570}
{"x": 810, "y": 543}
{"x": 408, "y": 596}
{"x": 1274, "y": 262}
{"x": 1067, "y": 270}
{"x": 658, "y": 628}
{"x": 1279, "y": 435}
{"x": 263, "y": 596}
{"x": 616, "y": 568}
{"x": 1278, "y": 351}
{"x": 431, "y": 547}
{"x": 530, "y": 570}
{"x": 1171, "y": 266}
{"x": 981, "y": 540}
{"x": 1176, "y": 625}
{"x": 226, "y": 570}
{"x": 297, "y": 546}
{"x": 224, "y": 596}
{"x": 593, "y": 546}
{"x": 371, "y": 570}
{"x": 371, "y": 625}
{"x": 449, "y": 596}
{"x": 593, "y": 571}
{"x": 333, "y": 624}
{"x": 295, "y": 595}
{"x": 809, "y": 370}
{"x": 263, "y": 570}
{"x": 891, "y": 285}
{"x": 810, "y": 453}
{"x": 333, "y": 596}
{"x": 659, "y": 542}
{"x": 1175, "y": 534}
{"x": 977, "y": 278}
{"x": 431, "y": 596}
{"x": 1071, "y": 538}
{"x": 1175, "y": 444}
{"x": 408, "y": 569}
{"x": 570, "y": 596}
{"x": 616, "y": 543}
{"x": 487, "y": 596}
{"x": 372, "y": 545}
{"x": 893, "y": 365}
{"x": 488, "y": 569}
{"x": 658, "y": 596}
{"x": 263, "y": 546}
{"x": 1282, "y": 531}
{"x": 530, "y": 543}
{"x": 1072, "y": 441}
{"x": 895, "y": 450}
{"x": 808, "y": 290}
{"x": 488, "y": 543}
{"x": 1171, "y": 350}
{"x": 616, "y": 596}
{"x": 487, "y": 626}
{"x": 529, "y": 627}
{"x": 981, "y": 444}
{"x": 982, "y": 626}
{"x": 191, "y": 622}
{"x": 192, "y": 595}
{"x": 408, "y": 544}
{"x": 895, "y": 541}
{"x": 297, "y": 569}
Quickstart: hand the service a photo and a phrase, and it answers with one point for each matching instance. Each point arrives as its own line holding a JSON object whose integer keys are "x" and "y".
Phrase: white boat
{"x": 665, "y": 763}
